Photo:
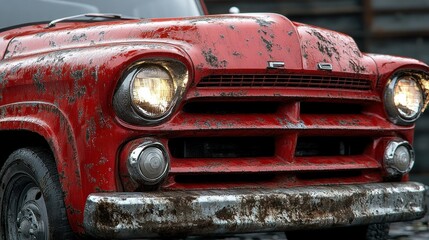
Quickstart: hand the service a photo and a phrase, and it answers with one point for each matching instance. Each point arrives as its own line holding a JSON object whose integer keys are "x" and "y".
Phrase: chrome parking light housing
{"x": 148, "y": 163}
{"x": 398, "y": 158}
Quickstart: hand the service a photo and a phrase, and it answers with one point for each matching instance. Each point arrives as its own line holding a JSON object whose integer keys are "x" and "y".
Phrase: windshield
{"x": 14, "y": 12}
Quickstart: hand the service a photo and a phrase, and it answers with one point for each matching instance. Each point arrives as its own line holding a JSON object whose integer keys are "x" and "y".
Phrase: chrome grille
{"x": 286, "y": 81}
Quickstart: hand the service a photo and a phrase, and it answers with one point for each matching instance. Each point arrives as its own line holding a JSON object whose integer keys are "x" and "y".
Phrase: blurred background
{"x": 395, "y": 27}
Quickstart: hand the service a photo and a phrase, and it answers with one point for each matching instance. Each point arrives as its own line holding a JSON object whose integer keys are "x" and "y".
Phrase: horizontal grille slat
{"x": 330, "y": 146}
{"x": 286, "y": 80}
{"x": 222, "y": 147}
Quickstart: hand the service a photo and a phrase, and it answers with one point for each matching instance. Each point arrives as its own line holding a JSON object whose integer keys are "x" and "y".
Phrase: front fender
{"x": 66, "y": 97}
{"x": 51, "y": 123}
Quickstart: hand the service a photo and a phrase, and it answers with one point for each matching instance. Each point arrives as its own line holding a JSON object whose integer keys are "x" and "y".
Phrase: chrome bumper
{"x": 132, "y": 215}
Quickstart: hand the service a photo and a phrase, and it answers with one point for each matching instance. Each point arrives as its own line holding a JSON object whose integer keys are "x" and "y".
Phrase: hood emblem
{"x": 324, "y": 66}
{"x": 276, "y": 65}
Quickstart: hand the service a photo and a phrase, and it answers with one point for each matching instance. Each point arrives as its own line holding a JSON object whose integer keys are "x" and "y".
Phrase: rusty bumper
{"x": 132, "y": 215}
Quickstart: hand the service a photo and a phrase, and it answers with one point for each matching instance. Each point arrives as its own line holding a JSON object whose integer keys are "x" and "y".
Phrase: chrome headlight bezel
{"x": 127, "y": 109}
{"x": 393, "y": 113}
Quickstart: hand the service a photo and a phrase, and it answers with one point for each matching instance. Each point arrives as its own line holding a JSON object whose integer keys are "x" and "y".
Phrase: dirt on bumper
{"x": 131, "y": 215}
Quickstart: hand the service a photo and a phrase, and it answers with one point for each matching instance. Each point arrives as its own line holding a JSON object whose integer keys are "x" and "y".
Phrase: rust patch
{"x": 212, "y": 60}
{"x": 263, "y": 22}
{"x": 328, "y": 50}
{"x": 78, "y": 91}
{"x": 78, "y": 38}
{"x": 226, "y": 214}
{"x": 3, "y": 113}
{"x": 88, "y": 168}
{"x": 17, "y": 48}
{"x": 80, "y": 114}
{"x": 262, "y": 31}
{"x": 102, "y": 161}
{"x": 15, "y": 68}
{"x": 109, "y": 215}
{"x": 268, "y": 44}
{"x": 240, "y": 93}
{"x": 41, "y": 34}
{"x": 52, "y": 43}
{"x": 320, "y": 36}
{"x": 268, "y": 204}
{"x": 90, "y": 130}
{"x": 356, "y": 67}
{"x": 352, "y": 122}
{"x": 101, "y": 36}
{"x": 77, "y": 75}
{"x": 94, "y": 73}
{"x": 181, "y": 208}
{"x": 3, "y": 80}
{"x": 73, "y": 210}
{"x": 102, "y": 120}
{"x": 182, "y": 205}
{"x": 38, "y": 81}
{"x": 200, "y": 67}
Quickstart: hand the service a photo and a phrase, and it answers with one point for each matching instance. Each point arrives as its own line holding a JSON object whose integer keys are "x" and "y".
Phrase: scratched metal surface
{"x": 415, "y": 230}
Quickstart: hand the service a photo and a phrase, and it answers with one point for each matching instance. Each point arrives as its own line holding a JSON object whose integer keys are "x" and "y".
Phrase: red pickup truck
{"x": 132, "y": 119}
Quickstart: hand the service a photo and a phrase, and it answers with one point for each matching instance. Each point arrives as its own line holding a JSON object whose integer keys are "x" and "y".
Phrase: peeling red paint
{"x": 59, "y": 82}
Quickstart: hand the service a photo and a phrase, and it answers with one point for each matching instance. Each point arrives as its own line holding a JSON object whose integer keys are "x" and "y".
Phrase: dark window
{"x": 17, "y": 12}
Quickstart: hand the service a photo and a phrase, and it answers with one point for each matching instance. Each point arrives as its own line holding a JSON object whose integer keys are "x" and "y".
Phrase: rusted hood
{"x": 234, "y": 42}
{"x": 325, "y": 46}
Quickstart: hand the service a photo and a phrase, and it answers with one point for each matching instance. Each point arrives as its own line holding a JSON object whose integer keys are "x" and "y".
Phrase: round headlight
{"x": 152, "y": 91}
{"x": 408, "y": 97}
{"x": 404, "y": 99}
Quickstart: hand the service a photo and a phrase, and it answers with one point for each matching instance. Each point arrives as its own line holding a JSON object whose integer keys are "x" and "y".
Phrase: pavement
{"x": 415, "y": 230}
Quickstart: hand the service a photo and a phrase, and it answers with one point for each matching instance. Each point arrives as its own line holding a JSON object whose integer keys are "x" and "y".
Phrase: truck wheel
{"x": 369, "y": 232}
{"x": 31, "y": 200}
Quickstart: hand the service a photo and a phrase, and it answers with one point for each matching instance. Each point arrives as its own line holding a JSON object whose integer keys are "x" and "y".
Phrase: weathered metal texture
{"x": 59, "y": 82}
{"x": 386, "y": 65}
{"x": 331, "y": 47}
{"x": 218, "y": 45}
{"x": 125, "y": 215}
{"x": 64, "y": 95}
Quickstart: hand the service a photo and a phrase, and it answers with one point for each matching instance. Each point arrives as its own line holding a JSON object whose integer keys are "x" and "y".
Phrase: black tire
{"x": 31, "y": 199}
{"x": 369, "y": 232}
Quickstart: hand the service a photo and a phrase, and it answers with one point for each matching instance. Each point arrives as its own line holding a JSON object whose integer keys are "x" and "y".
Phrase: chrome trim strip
{"x": 324, "y": 66}
{"x": 276, "y": 65}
